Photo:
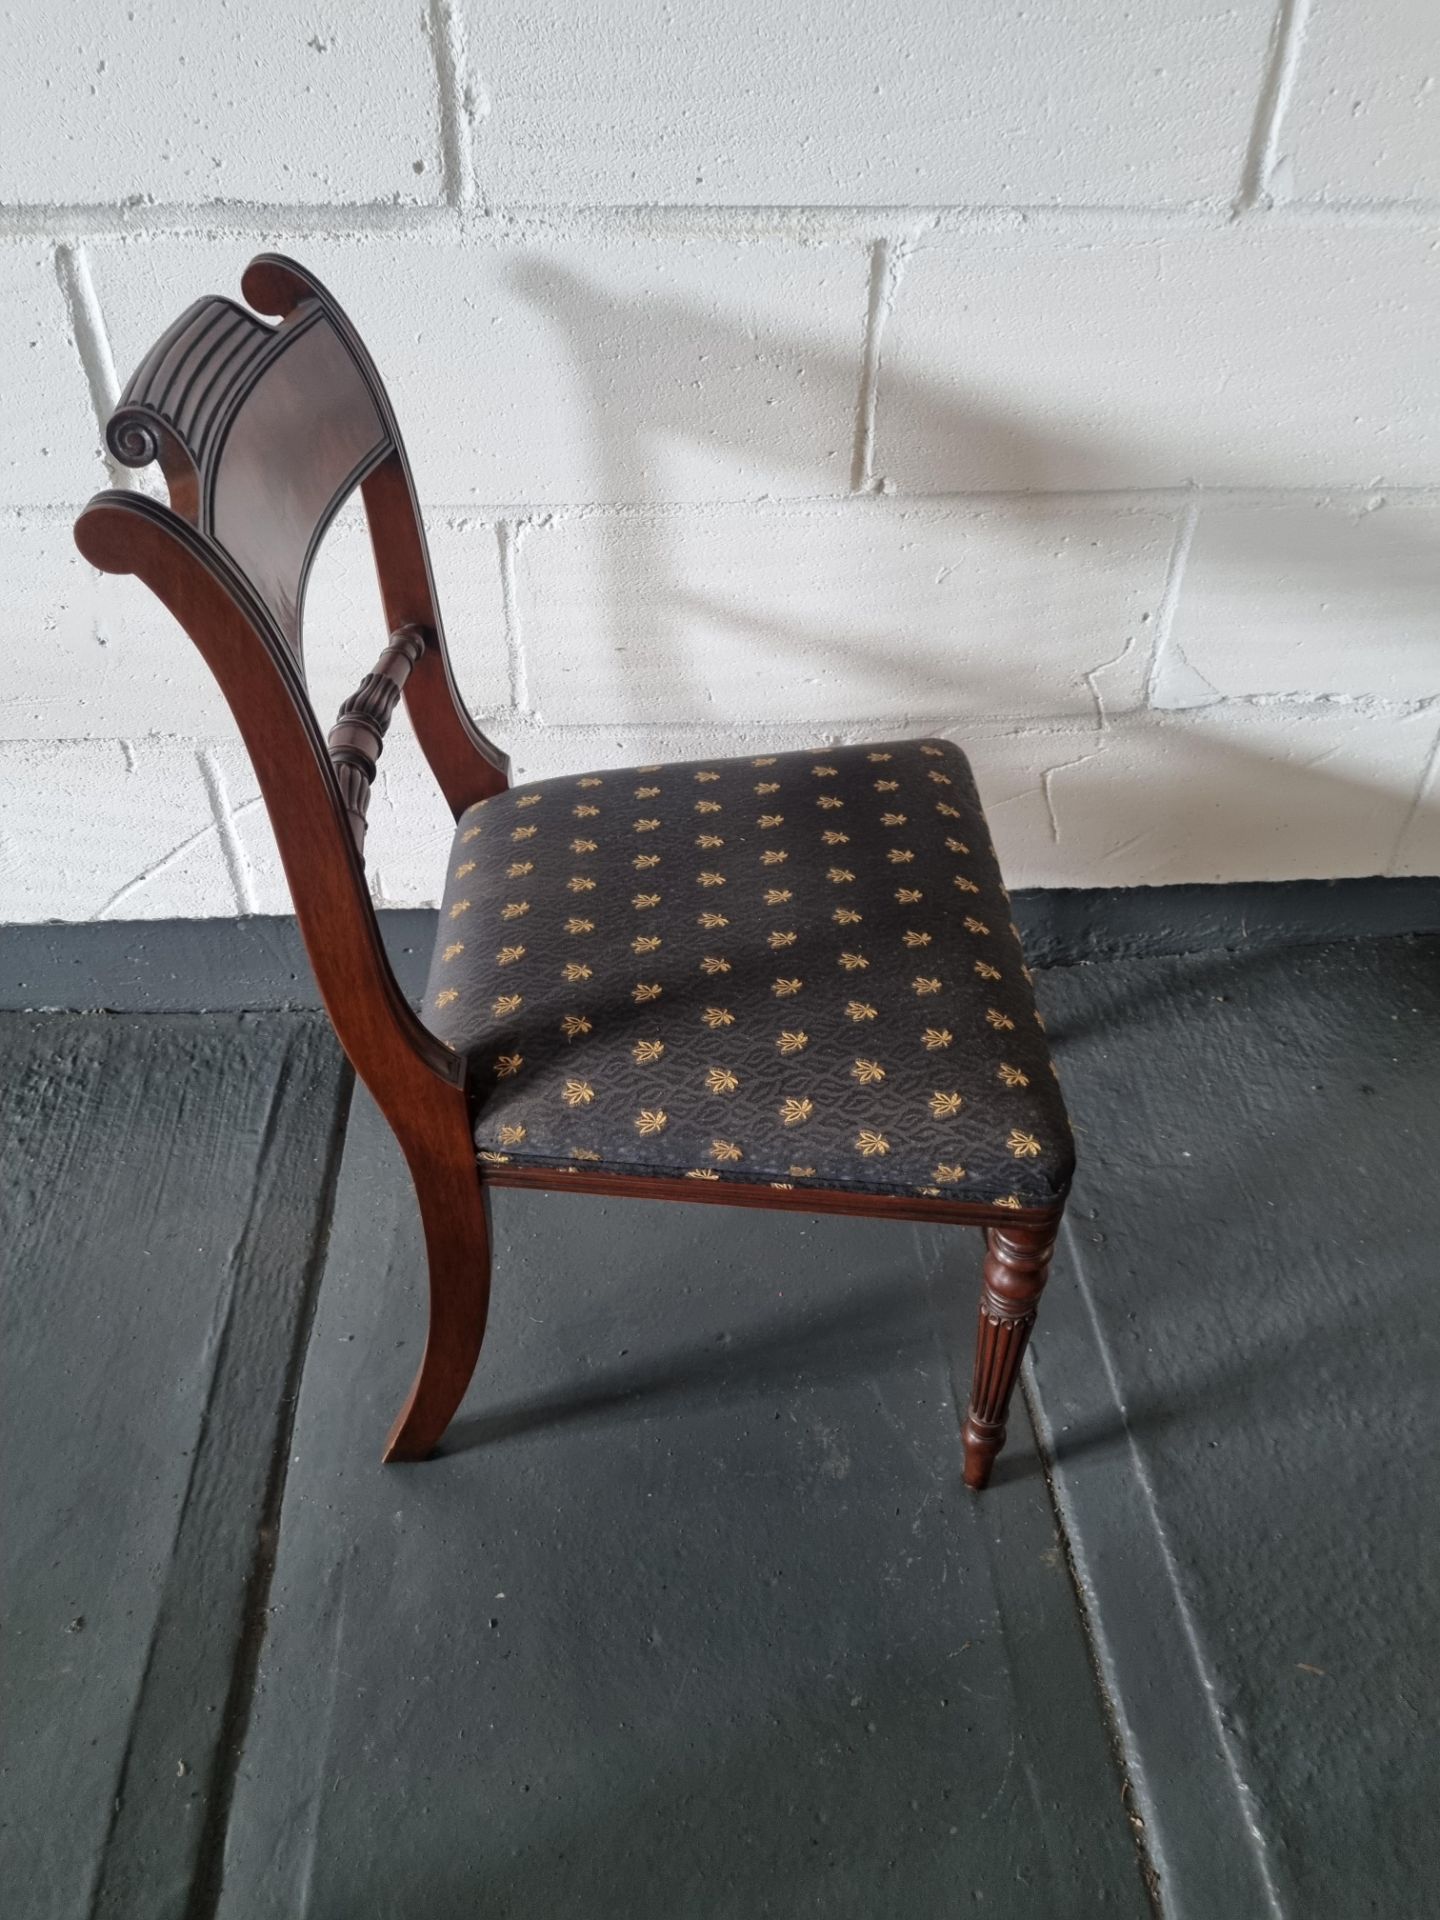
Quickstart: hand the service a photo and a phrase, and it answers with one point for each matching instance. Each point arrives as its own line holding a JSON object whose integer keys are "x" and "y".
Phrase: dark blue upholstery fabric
{"x": 796, "y": 968}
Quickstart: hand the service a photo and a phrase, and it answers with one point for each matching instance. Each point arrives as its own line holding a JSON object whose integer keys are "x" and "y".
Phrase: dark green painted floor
{"x": 693, "y": 1616}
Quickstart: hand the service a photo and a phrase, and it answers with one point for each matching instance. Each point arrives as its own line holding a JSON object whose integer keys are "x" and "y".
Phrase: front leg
{"x": 1017, "y": 1263}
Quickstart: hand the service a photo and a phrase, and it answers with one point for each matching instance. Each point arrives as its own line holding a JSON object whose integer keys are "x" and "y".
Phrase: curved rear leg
{"x": 457, "y": 1247}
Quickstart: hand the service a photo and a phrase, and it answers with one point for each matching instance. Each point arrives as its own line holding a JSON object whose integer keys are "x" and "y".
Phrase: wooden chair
{"x": 782, "y": 981}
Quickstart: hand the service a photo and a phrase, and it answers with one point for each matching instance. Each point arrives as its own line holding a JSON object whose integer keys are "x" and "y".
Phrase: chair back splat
{"x": 263, "y": 431}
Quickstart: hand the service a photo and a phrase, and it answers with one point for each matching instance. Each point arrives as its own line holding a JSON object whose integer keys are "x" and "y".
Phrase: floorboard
{"x": 1239, "y": 1371}
{"x": 693, "y": 1616}
{"x": 163, "y": 1197}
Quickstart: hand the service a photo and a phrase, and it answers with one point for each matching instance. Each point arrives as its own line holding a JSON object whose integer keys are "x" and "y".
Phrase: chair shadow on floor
{"x": 846, "y": 1339}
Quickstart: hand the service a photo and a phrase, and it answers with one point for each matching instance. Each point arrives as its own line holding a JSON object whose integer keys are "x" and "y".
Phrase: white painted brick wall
{"x": 1061, "y": 379}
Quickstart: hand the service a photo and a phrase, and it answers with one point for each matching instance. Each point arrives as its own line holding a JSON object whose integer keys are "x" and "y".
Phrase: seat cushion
{"x": 798, "y": 968}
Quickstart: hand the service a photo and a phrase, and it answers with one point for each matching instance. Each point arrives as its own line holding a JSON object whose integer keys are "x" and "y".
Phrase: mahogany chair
{"x": 783, "y": 981}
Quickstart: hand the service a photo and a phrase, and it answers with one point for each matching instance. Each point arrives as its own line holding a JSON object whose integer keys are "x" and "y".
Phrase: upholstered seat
{"x": 796, "y": 968}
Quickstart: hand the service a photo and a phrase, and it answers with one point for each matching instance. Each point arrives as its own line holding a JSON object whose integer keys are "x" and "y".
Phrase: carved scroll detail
{"x": 358, "y": 736}
{"x": 182, "y": 391}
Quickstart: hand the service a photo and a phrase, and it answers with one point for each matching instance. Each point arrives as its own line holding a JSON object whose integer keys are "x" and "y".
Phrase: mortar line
{"x": 236, "y": 865}
{"x": 92, "y": 343}
{"x": 1170, "y": 600}
{"x": 877, "y": 309}
{"x": 1422, "y": 788}
{"x": 471, "y": 517}
{"x": 493, "y": 222}
{"x": 446, "y": 26}
{"x": 508, "y": 535}
{"x": 1281, "y": 65}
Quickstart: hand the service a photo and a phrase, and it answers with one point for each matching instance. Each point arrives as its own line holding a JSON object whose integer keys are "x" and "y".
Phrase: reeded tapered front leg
{"x": 1017, "y": 1264}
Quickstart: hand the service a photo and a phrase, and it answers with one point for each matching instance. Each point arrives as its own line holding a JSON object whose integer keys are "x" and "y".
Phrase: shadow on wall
{"x": 1246, "y": 811}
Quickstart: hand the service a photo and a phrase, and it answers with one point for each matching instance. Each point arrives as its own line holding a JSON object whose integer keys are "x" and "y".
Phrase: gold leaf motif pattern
{"x": 881, "y": 1108}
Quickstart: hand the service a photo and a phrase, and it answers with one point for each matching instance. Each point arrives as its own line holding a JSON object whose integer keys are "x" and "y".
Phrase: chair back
{"x": 263, "y": 431}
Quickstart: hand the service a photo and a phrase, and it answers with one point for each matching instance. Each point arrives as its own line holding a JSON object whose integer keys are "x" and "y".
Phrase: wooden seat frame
{"x": 263, "y": 432}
